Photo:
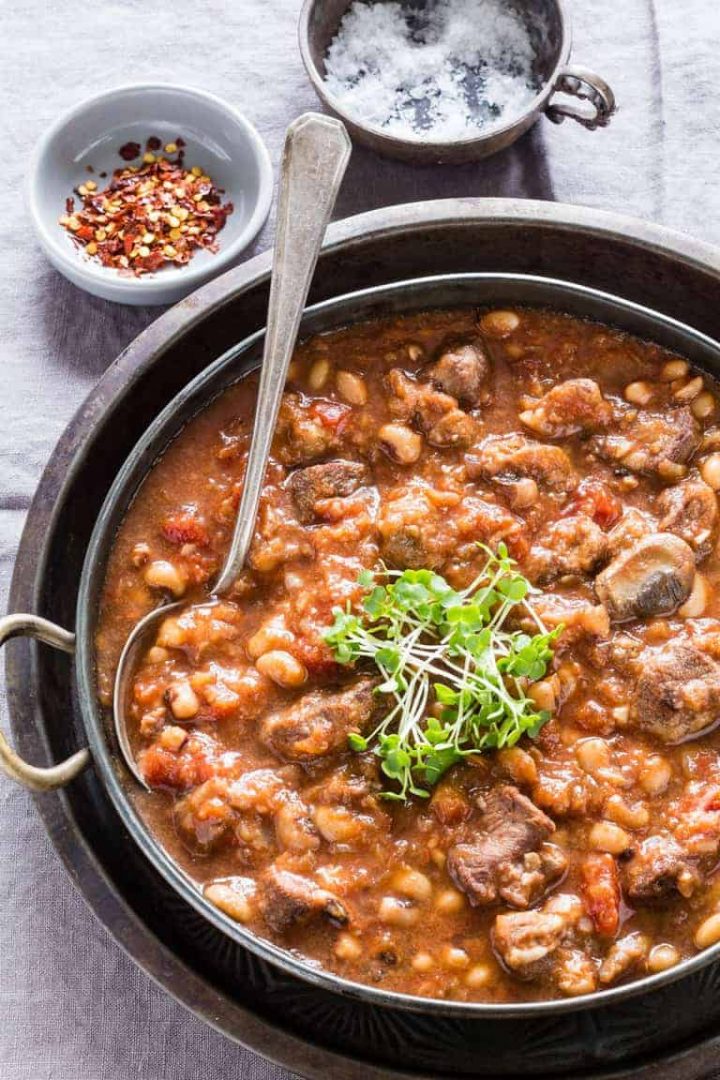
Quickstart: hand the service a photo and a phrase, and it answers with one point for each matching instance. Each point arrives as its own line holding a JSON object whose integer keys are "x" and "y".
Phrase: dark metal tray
{"x": 670, "y": 1032}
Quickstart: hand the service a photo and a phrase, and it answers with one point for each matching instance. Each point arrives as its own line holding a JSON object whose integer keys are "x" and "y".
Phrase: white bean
{"x": 708, "y": 932}
{"x": 162, "y": 574}
{"x": 282, "y": 668}
{"x": 351, "y": 387}
{"x": 606, "y": 836}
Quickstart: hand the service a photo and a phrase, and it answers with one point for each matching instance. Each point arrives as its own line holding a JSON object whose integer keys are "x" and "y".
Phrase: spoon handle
{"x": 316, "y": 153}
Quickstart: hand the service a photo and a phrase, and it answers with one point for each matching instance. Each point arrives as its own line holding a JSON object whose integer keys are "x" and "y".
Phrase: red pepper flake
{"x": 180, "y": 142}
{"x": 153, "y": 143}
{"x": 149, "y": 215}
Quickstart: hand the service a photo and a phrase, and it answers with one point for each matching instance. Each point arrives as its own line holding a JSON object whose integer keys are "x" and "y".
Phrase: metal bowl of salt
{"x": 447, "y": 81}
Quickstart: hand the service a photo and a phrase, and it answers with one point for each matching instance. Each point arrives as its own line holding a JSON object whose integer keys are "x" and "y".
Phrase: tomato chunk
{"x": 601, "y": 891}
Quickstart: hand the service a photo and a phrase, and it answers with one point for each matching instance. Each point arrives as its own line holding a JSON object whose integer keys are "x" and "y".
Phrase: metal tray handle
{"x": 31, "y": 776}
{"x": 585, "y": 85}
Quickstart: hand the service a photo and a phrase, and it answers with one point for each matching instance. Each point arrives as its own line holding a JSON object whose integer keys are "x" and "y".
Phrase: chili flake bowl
{"x": 217, "y": 138}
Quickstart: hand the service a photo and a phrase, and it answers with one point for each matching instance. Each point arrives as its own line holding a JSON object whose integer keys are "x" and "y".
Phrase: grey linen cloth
{"x": 72, "y": 1005}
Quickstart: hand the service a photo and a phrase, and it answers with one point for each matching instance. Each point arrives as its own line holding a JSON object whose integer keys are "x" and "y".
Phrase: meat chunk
{"x": 507, "y": 858}
{"x": 330, "y": 480}
{"x": 436, "y": 414}
{"x": 654, "y": 444}
{"x": 633, "y": 526}
{"x": 677, "y": 692}
{"x": 318, "y": 723}
{"x": 524, "y": 939}
{"x": 622, "y": 956}
{"x": 571, "y": 407}
{"x": 690, "y": 510}
{"x": 651, "y": 577}
{"x": 308, "y": 430}
{"x": 418, "y": 531}
{"x": 512, "y": 457}
{"x": 572, "y": 546}
{"x": 658, "y": 869}
{"x": 579, "y": 617}
{"x": 289, "y": 899}
{"x": 460, "y": 371}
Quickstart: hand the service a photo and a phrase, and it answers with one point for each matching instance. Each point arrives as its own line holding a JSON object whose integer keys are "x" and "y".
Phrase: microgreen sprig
{"x": 434, "y": 644}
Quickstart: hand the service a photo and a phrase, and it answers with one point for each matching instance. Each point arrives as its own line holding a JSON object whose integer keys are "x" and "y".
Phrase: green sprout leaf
{"x": 445, "y": 650}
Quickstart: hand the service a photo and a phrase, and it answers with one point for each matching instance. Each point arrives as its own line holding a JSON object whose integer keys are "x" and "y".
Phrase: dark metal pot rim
{"x": 593, "y": 302}
{"x": 501, "y": 127}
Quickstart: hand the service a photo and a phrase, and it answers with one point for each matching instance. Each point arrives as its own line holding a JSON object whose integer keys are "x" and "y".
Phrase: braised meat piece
{"x": 507, "y": 857}
{"x": 524, "y": 939}
{"x": 318, "y": 723}
{"x": 677, "y": 692}
{"x": 573, "y": 546}
{"x": 435, "y": 413}
{"x": 690, "y": 510}
{"x": 653, "y": 444}
{"x": 571, "y": 407}
{"x": 511, "y": 457}
{"x": 580, "y": 618}
{"x": 653, "y": 576}
{"x": 330, "y": 480}
{"x": 632, "y": 526}
{"x": 308, "y": 430}
{"x": 460, "y": 371}
{"x": 289, "y": 899}
{"x": 657, "y": 869}
{"x": 622, "y": 956}
{"x": 418, "y": 531}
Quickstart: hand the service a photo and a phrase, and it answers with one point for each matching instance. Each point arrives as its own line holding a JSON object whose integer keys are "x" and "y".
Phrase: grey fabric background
{"x": 72, "y": 1006}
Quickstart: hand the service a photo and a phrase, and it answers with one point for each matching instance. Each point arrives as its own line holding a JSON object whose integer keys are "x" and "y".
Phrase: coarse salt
{"x": 438, "y": 73}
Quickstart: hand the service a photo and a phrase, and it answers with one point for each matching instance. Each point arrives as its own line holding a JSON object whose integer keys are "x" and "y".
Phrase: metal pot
{"x": 442, "y": 291}
{"x": 551, "y": 36}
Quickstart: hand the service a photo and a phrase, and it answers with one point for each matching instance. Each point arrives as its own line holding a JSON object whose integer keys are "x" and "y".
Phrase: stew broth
{"x": 560, "y": 866}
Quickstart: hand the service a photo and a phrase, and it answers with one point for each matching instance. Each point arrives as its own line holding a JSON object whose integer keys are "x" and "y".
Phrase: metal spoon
{"x": 316, "y": 153}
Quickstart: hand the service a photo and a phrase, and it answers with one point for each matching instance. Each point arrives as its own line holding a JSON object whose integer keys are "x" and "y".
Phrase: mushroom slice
{"x": 653, "y": 577}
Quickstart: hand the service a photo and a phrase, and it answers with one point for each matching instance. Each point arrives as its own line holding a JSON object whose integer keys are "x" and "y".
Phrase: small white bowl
{"x": 217, "y": 137}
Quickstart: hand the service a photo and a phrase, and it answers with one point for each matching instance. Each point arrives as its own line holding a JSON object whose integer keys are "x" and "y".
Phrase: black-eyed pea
{"x": 336, "y": 824}
{"x": 500, "y": 323}
{"x": 703, "y": 406}
{"x": 411, "y": 883}
{"x": 395, "y": 912}
{"x": 544, "y": 693}
{"x": 319, "y": 374}
{"x": 708, "y": 932}
{"x": 400, "y": 443}
{"x": 690, "y": 390}
{"x": 519, "y": 764}
{"x": 347, "y": 947}
{"x": 662, "y": 957}
{"x": 449, "y": 902}
{"x": 140, "y": 554}
{"x": 479, "y": 976}
{"x": 272, "y": 635}
{"x": 453, "y": 957}
{"x": 674, "y": 369}
{"x": 282, "y": 667}
{"x": 710, "y": 471}
{"x": 162, "y": 574}
{"x": 638, "y": 393}
{"x": 234, "y": 896}
{"x": 422, "y": 962}
{"x": 156, "y": 655}
{"x": 182, "y": 700}
{"x": 629, "y": 817}
{"x": 351, "y": 387}
{"x": 606, "y": 836}
{"x": 593, "y": 755}
{"x": 172, "y": 738}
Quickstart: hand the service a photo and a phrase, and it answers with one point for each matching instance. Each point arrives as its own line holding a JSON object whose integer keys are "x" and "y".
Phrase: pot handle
{"x": 31, "y": 776}
{"x": 584, "y": 84}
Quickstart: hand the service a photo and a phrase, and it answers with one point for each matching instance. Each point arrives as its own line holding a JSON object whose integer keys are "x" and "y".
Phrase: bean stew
{"x": 561, "y": 832}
